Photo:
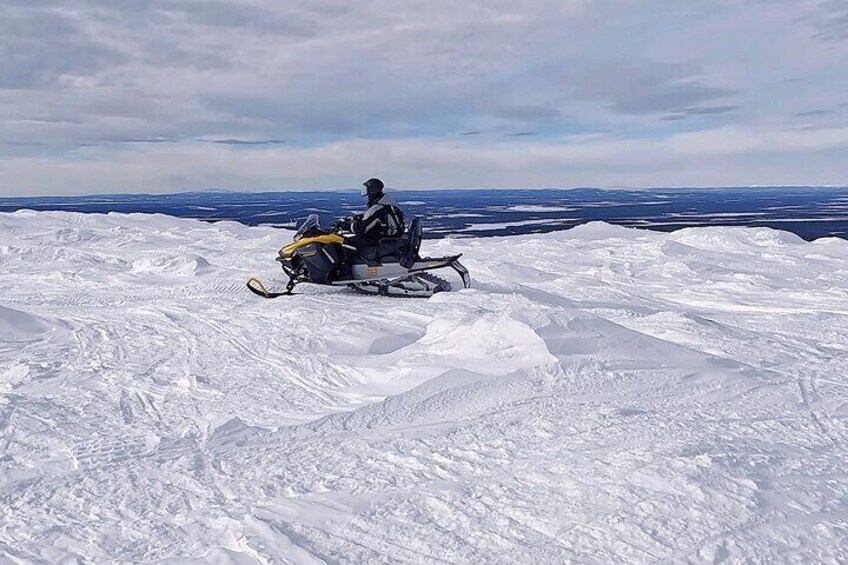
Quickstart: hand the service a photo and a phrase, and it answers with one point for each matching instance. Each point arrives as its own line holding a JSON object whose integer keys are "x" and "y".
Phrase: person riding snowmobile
{"x": 383, "y": 220}
{"x": 373, "y": 252}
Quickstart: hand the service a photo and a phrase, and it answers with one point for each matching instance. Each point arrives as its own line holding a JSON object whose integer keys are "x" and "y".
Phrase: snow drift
{"x": 602, "y": 395}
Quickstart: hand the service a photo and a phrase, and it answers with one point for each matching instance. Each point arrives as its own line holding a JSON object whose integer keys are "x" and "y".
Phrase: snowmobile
{"x": 391, "y": 268}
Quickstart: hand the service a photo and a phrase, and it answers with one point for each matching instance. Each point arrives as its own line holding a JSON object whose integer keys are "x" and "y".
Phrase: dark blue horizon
{"x": 810, "y": 212}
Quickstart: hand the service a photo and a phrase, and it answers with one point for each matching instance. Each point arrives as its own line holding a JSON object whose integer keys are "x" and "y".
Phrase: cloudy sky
{"x": 167, "y": 95}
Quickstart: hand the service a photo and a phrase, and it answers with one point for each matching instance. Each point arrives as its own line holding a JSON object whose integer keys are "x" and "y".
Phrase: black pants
{"x": 373, "y": 251}
{"x": 361, "y": 242}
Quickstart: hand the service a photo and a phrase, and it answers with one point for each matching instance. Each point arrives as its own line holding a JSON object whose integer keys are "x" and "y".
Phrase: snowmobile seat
{"x": 390, "y": 247}
{"x": 374, "y": 254}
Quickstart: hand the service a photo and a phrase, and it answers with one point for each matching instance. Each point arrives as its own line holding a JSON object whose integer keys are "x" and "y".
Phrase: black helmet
{"x": 372, "y": 188}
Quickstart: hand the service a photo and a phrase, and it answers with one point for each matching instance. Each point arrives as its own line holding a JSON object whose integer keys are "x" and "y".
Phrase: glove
{"x": 353, "y": 223}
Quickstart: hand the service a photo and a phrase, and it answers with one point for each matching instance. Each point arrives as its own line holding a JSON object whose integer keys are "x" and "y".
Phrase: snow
{"x": 515, "y": 224}
{"x": 539, "y": 208}
{"x": 602, "y": 395}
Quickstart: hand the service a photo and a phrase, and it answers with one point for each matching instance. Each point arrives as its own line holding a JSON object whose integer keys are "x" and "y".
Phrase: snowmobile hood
{"x": 326, "y": 238}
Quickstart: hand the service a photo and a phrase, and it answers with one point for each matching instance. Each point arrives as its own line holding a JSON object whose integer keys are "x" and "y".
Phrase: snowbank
{"x": 601, "y": 395}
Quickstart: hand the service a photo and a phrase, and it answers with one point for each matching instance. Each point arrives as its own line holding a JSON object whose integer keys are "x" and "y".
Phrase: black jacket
{"x": 383, "y": 219}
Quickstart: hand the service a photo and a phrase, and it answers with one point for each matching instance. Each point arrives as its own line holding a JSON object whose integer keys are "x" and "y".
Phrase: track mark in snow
{"x": 812, "y": 402}
{"x": 101, "y": 454}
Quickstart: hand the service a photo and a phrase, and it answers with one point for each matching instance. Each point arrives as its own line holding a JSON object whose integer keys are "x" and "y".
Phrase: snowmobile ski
{"x": 256, "y": 287}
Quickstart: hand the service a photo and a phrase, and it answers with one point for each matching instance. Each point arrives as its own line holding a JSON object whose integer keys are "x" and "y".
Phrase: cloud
{"x": 39, "y": 45}
{"x": 670, "y": 98}
{"x": 526, "y": 113}
{"x": 717, "y": 155}
{"x": 644, "y": 86}
{"x": 250, "y": 16}
{"x": 118, "y": 87}
{"x": 700, "y": 111}
{"x": 812, "y": 113}
{"x": 831, "y": 20}
{"x": 246, "y": 142}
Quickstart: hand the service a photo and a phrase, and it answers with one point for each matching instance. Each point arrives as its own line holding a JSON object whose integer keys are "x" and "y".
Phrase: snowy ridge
{"x": 602, "y": 395}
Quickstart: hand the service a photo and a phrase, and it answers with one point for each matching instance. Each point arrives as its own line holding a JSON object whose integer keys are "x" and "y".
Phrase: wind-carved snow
{"x": 601, "y": 395}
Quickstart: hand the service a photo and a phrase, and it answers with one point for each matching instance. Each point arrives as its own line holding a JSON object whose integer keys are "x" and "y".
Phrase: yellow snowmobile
{"x": 392, "y": 267}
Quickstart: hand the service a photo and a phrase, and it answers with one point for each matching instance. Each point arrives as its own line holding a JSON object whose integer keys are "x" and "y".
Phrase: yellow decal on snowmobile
{"x": 324, "y": 239}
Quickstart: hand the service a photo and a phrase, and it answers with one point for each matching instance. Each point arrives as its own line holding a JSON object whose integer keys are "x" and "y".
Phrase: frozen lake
{"x": 810, "y": 212}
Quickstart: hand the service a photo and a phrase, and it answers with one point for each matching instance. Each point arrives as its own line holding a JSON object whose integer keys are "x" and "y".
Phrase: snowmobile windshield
{"x": 311, "y": 223}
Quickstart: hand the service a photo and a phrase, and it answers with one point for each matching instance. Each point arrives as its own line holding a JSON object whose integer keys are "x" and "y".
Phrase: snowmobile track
{"x": 438, "y": 282}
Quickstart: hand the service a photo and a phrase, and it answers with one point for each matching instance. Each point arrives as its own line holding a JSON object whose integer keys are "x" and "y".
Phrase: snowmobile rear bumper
{"x": 463, "y": 272}
{"x": 427, "y": 264}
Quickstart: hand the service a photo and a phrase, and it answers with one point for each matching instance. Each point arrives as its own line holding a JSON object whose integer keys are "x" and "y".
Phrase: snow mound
{"x": 602, "y": 394}
{"x": 17, "y": 326}
{"x": 735, "y": 238}
{"x": 185, "y": 266}
{"x": 599, "y": 230}
{"x": 487, "y": 342}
